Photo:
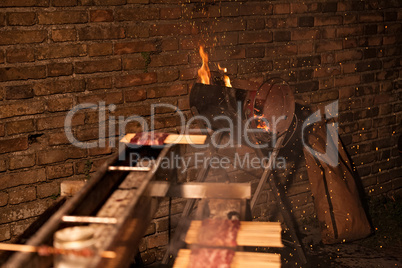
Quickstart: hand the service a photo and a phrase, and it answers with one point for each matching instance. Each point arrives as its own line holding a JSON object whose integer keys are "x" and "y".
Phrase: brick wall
{"x": 56, "y": 54}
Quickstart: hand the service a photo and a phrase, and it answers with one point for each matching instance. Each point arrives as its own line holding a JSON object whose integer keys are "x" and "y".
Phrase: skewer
{"x": 87, "y": 219}
{"x": 129, "y": 168}
{"x": 46, "y": 250}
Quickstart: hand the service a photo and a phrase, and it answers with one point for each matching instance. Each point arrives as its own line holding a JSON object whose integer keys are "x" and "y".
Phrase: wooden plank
{"x": 240, "y": 259}
{"x": 259, "y": 234}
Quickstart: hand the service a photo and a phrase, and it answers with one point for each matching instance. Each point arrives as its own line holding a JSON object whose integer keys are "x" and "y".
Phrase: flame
{"x": 261, "y": 123}
{"x": 204, "y": 72}
{"x": 226, "y": 78}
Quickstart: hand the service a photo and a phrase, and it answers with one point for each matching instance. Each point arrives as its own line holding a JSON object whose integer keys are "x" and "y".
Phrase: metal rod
{"x": 88, "y": 219}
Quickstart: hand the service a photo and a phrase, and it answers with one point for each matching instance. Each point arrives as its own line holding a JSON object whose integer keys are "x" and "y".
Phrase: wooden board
{"x": 173, "y": 139}
{"x": 240, "y": 259}
{"x": 251, "y": 233}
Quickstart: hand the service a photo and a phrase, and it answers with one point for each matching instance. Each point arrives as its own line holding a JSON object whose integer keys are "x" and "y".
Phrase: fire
{"x": 204, "y": 72}
{"x": 261, "y": 123}
{"x": 226, "y": 78}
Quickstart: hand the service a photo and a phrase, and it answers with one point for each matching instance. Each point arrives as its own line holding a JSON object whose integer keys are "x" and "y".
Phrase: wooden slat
{"x": 259, "y": 234}
{"x": 240, "y": 259}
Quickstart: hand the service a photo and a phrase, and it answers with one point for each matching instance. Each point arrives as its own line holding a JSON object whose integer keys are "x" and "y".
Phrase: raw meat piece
{"x": 211, "y": 258}
{"x": 149, "y": 138}
{"x": 217, "y": 232}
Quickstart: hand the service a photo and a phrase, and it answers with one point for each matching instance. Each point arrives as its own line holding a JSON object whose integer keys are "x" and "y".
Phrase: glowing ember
{"x": 204, "y": 72}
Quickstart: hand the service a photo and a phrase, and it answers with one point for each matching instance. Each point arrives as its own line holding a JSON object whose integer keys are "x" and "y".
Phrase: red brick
{"x": 97, "y": 66}
{"x": 327, "y": 20}
{"x": 58, "y": 87}
{"x": 18, "y": 108}
{"x": 328, "y": 46}
{"x": 20, "y": 55}
{"x": 170, "y": 13}
{"x": 194, "y": 12}
{"x": 3, "y": 202}
{"x": 57, "y": 138}
{"x": 2, "y": 133}
{"x": 298, "y": 8}
{"x": 59, "y": 155}
{"x": 24, "y": 211}
{"x": 24, "y": 3}
{"x": 172, "y": 29}
{"x": 101, "y": 33}
{"x": 19, "y": 92}
{"x": 18, "y": 127}
{"x": 281, "y": 9}
{"x": 188, "y": 73}
{"x": 389, "y": 40}
{"x": 255, "y": 52}
{"x": 101, "y": 15}
{"x": 137, "y": 30}
{"x": 167, "y": 91}
{"x": 283, "y": 23}
{"x": 21, "y": 194}
{"x": 62, "y": 17}
{"x": 22, "y": 37}
{"x": 109, "y": 2}
{"x": 349, "y": 18}
{"x": 99, "y": 83}
{"x": 157, "y": 240}
{"x": 305, "y": 47}
{"x": 327, "y": 71}
{"x": 22, "y": 73}
{"x": 59, "y": 69}
{"x": 13, "y": 145}
{"x": 303, "y": 34}
{"x": 255, "y": 24}
{"x": 169, "y": 44}
{"x": 371, "y": 17}
{"x": 348, "y": 55}
{"x": 137, "y": 14}
{"x": 168, "y": 75}
{"x": 227, "y": 54}
{"x": 223, "y": 25}
{"x": 255, "y": 37}
{"x": 250, "y": 8}
{"x": 134, "y": 62}
{"x": 347, "y": 80}
{"x": 48, "y": 189}
{"x": 100, "y": 49}
{"x": 64, "y": 3}
{"x": 279, "y": 51}
{"x": 348, "y": 68}
{"x": 2, "y": 56}
{"x": 133, "y": 47}
{"x": 107, "y": 97}
{"x": 349, "y": 31}
{"x": 135, "y": 95}
{"x": 58, "y": 122}
{"x": 254, "y": 67}
{"x": 135, "y": 80}
{"x": 21, "y": 18}
{"x": 59, "y": 171}
{"x": 168, "y": 59}
{"x": 62, "y": 35}
{"x": 55, "y": 51}
{"x": 59, "y": 104}
{"x": 19, "y": 178}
